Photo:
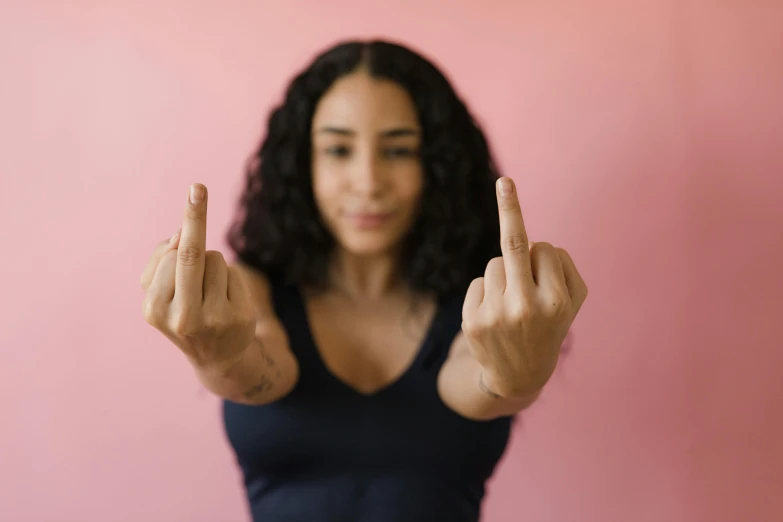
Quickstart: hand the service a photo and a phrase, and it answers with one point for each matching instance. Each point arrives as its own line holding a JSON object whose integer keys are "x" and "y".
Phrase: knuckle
{"x": 248, "y": 322}
{"x": 159, "y": 253}
{"x": 496, "y": 263}
{"x": 492, "y": 317}
{"x": 517, "y": 312}
{"x": 494, "y": 322}
{"x": 473, "y": 297}
{"x": 214, "y": 258}
{"x": 185, "y": 324}
{"x": 471, "y": 327}
{"x": 494, "y": 266}
{"x": 516, "y": 243}
{"x": 213, "y": 323}
{"x": 556, "y": 304}
{"x": 189, "y": 255}
{"x": 214, "y": 261}
{"x": 170, "y": 257}
{"x": 542, "y": 250}
{"x": 243, "y": 319}
{"x": 153, "y": 309}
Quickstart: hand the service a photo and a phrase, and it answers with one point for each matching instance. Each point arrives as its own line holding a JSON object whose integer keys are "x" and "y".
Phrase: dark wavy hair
{"x": 456, "y": 232}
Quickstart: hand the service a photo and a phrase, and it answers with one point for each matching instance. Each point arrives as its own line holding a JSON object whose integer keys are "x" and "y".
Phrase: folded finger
{"x": 160, "y": 249}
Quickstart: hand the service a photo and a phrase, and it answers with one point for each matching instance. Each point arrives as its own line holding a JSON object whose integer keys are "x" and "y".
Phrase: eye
{"x": 399, "y": 152}
{"x": 338, "y": 151}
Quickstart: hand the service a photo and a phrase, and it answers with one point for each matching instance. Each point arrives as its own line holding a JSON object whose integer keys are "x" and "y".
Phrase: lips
{"x": 367, "y": 219}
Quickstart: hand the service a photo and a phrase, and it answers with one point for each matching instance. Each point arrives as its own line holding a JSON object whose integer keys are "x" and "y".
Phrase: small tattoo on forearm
{"x": 265, "y": 356}
{"x": 268, "y": 360}
{"x": 271, "y": 363}
{"x": 263, "y": 385}
{"x": 483, "y": 387}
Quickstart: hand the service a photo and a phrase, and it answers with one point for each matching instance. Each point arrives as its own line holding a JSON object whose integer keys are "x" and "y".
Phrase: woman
{"x": 386, "y": 317}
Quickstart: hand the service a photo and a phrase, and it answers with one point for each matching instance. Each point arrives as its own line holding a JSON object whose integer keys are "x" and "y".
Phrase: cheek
{"x": 326, "y": 189}
{"x": 411, "y": 186}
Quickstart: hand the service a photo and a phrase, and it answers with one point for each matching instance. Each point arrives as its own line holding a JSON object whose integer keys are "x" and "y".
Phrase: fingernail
{"x": 196, "y": 194}
{"x": 505, "y": 186}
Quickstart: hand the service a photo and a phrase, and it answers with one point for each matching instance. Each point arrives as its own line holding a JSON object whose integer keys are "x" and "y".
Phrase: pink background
{"x": 645, "y": 137}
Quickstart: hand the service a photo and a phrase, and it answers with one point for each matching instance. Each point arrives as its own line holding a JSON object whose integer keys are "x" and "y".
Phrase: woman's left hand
{"x": 517, "y": 316}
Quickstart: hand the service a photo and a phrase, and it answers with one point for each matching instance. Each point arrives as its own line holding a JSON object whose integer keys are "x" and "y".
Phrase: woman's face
{"x": 367, "y": 174}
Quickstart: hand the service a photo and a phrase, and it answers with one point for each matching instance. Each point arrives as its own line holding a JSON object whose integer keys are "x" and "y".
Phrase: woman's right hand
{"x": 194, "y": 298}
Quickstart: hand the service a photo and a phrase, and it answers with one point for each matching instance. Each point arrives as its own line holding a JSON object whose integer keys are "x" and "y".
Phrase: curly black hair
{"x": 456, "y": 232}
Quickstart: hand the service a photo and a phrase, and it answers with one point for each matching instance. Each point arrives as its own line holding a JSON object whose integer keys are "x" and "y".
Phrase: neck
{"x": 364, "y": 278}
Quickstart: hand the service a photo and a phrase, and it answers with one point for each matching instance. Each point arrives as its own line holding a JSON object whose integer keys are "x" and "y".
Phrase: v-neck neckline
{"x": 416, "y": 362}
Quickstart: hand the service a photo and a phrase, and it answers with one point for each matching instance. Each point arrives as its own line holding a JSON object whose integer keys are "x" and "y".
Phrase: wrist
{"x": 499, "y": 388}
{"x": 487, "y": 388}
{"x": 231, "y": 377}
{"x": 224, "y": 367}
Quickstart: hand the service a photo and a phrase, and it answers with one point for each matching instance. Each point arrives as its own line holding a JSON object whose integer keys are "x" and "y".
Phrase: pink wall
{"x": 645, "y": 137}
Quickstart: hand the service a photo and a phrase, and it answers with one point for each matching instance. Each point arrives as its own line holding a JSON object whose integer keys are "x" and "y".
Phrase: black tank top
{"x": 327, "y": 453}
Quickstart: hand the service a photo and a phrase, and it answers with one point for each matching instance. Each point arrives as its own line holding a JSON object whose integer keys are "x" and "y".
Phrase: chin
{"x": 370, "y": 246}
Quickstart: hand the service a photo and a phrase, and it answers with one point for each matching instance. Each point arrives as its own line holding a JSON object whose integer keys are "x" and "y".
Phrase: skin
{"x": 367, "y": 182}
{"x": 219, "y": 316}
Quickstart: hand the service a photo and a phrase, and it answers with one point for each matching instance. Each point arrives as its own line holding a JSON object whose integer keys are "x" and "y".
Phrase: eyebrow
{"x": 389, "y": 133}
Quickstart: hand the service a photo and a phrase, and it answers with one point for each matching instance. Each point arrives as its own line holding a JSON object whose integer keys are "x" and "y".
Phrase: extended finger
{"x": 513, "y": 238}
{"x": 192, "y": 247}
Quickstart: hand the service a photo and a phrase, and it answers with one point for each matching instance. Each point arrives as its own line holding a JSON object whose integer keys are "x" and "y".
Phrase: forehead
{"x": 358, "y": 101}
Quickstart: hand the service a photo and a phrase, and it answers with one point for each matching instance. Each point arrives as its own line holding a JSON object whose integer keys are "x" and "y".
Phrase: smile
{"x": 367, "y": 220}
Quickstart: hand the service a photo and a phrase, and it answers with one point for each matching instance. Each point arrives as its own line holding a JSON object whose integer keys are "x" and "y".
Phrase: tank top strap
{"x": 446, "y": 326}
{"x": 290, "y": 307}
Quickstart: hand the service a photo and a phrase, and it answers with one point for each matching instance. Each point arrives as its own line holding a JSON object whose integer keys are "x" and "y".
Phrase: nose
{"x": 368, "y": 175}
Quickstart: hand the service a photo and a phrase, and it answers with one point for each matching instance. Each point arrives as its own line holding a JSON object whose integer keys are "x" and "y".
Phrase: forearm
{"x": 262, "y": 373}
{"x": 466, "y": 392}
